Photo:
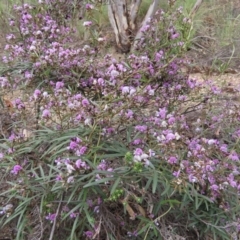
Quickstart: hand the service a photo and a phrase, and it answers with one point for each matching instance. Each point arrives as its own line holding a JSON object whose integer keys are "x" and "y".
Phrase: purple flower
{"x": 12, "y": 137}
{"x": 51, "y": 216}
{"x": 170, "y": 136}
{"x": 96, "y": 209}
{"x": 85, "y": 102}
{"x": 137, "y": 141}
{"x": 70, "y": 179}
{"x": 132, "y": 234}
{"x": 192, "y": 178}
{"x": 28, "y": 75}
{"x": 175, "y": 35}
{"x": 138, "y": 152}
{"x": 128, "y": 90}
{"x": 81, "y": 164}
{"x": 89, "y": 234}
{"x": 232, "y": 181}
{"x": 101, "y": 82}
{"x": 224, "y": 148}
{"x": 159, "y": 56}
{"x": 36, "y": 94}
{"x": 176, "y": 173}
{"x": 10, "y": 37}
{"x": 102, "y": 165}
{"x": 46, "y": 113}
{"x": 236, "y": 134}
{"x": 81, "y": 151}
{"x": 59, "y": 85}
{"x": 58, "y": 178}
{"x": 234, "y": 157}
{"x": 129, "y": 114}
{"x": 162, "y": 113}
{"x": 73, "y": 145}
{"x": 16, "y": 169}
{"x": 89, "y": 6}
{"x": 191, "y": 83}
{"x": 141, "y": 128}
{"x": 171, "y": 120}
{"x": 172, "y": 160}
{"x": 73, "y": 215}
{"x": 19, "y": 104}
{"x": 214, "y": 187}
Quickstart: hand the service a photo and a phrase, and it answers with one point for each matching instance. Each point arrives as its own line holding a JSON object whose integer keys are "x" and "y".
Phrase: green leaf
{"x": 115, "y": 185}
{"x": 103, "y": 180}
{"x": 170, "y": 202}
{"x": 148, "y": 184}
{"x": 166, "y": 189}
{"x": 74, "y": 226}
{"x": 155, "y": 181}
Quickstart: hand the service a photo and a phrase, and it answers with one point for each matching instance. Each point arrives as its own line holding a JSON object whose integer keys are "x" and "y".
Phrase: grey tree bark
{"x": 123, "y": 18}
{"x": 123, "y": 15}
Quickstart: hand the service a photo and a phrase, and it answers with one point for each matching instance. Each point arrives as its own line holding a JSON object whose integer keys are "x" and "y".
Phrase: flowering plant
{"x": 112, "y": 147}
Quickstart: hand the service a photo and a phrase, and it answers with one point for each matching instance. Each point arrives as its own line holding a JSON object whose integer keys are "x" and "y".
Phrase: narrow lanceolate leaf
{"x": 103, "y": 180}
{"x": 115, "y": 185}
{"x": 155, "y": 181}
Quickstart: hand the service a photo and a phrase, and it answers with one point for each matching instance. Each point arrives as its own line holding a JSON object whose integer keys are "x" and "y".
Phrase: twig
{"x": 55, "y": 220}
{"x": 157, "y": 219}
{"x": 195, "y": 7}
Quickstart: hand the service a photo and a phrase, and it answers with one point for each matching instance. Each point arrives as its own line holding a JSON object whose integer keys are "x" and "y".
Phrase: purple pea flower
{"x": 46, "y": 113}
{"x": 59, "y": 85}
{"x": 81, "y": 151}
{"x": 16, "y": 169}
{"x": 162, "y": 113}
{"x": 73, "y": 215}
{"x": 51, "y": 216}
{"x": 89, "y": 234}
{"x": 85, "y": 102}
{"x": 102, "y": 165}
{"x": 137, "y": 141}
{"x": 172, "y": 160}
{"x": 234, "y": 157}
{"x": 36, "y": 94}
{"x": 89, "y": 6}
{"x": 138, "y": 152}
{"x": 141, "y": 128}
{"x": 170, "y": 136}
{"x": 171, "y": 120}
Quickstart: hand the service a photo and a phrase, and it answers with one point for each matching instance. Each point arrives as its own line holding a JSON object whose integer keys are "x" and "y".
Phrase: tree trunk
{"x": 123, "y": 18}
{"x": 119, "y": 17}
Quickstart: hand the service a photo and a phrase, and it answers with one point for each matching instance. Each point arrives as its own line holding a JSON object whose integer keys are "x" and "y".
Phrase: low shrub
{"x": 114, "y": 149}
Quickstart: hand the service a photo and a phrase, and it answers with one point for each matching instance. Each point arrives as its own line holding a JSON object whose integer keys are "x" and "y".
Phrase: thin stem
{"x": 55, "y": 220}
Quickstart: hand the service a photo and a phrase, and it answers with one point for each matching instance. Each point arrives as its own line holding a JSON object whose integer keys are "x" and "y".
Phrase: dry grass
{"x": 216, "y": 42}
